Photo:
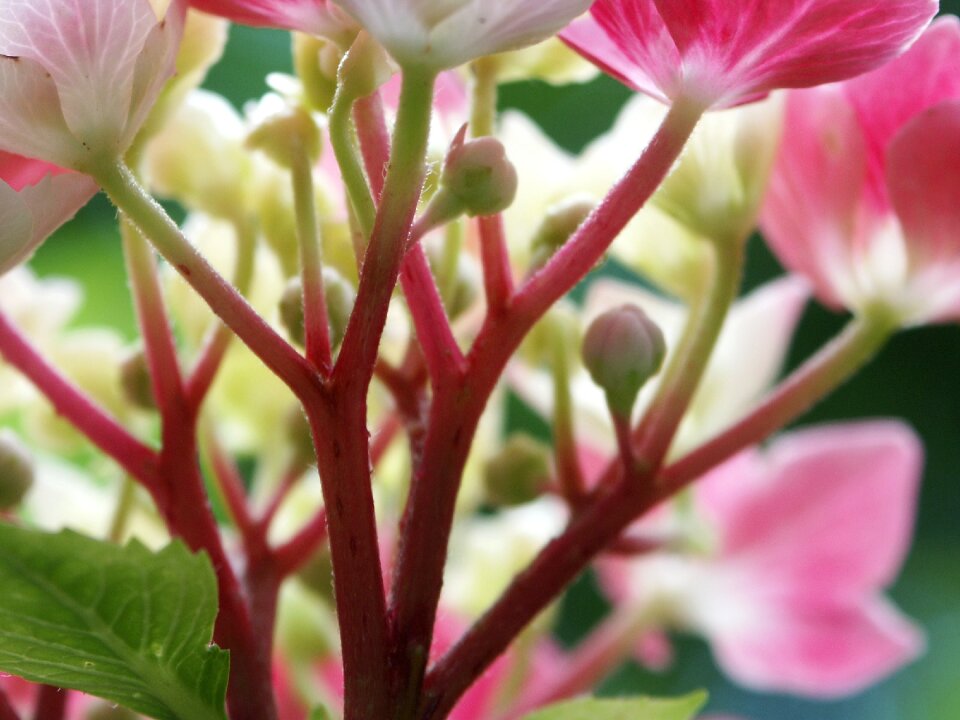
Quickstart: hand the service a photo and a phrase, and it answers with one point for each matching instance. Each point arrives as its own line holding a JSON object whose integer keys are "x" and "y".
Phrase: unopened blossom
{"x": 797, "y": 543}
{"x": 718, "y": 53}
{"x": 864, "y": 196}
{"x": 78, "y": 80}
{"x": 746, "y": 362}
{"x": 35, "y": 199}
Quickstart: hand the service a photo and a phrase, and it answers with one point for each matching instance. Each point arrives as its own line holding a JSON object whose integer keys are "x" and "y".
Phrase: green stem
{"x": 832, "y": 366}
{"x": 315, "y": 321}
{"x": 484, "y": 106}
{"x": 691, "y": 356}
{"x": 164, "y": 234}
{"x": 121, "y": 515}
{"x": 569, "y": 472}
{"x": 351, "y": 166}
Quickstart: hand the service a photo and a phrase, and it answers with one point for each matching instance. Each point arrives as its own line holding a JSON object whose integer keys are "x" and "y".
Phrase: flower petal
{"x": 742, "y": 49}
{"x": 724, "y": 53}
{"x": 923, "y": 174}
{"x": 647, "y": 60}
{"x": 927, "y": 74}
{"x": 317, "y": 17}
{"x": 814, "y": 206}
{"x": 834, "y": 517}
{"x": 442, "y": 34}
{"x": 819, "y": 651}
{"x": 35, "y": 199}
{"x": 31, "y": 121}
{"x": 90, "y": 50}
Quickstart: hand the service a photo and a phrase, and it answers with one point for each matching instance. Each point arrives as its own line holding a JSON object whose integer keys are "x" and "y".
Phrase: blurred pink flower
{"x": 78, "y": 79}
{"x": 725, "y": 52}
{"x": 804, "y": 536}
{"x": 865, "y": 197}
{"x": 35, "y": 199}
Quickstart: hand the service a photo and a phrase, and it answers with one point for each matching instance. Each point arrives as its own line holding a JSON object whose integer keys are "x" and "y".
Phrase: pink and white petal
{"x": 28, "y": 217}
{"x": 923, "y": 175}
{"x": 629, "y": 41}
{"x": 309, "y": 16}
{"x": 18, "y": 171}
{"x": 90, "y": 49}
{"x": 16, "y": 229}
{"x": 813, "y": 210}
{"x": 485, "y": 28}
{"x": 31, "y": 122}
{"x": 835, "y": 518}
{"x": 732, "y": 51}
{"x": 155, "y": 65}
{"x": 927, "y": 74}
{"x": 820, "y": 651}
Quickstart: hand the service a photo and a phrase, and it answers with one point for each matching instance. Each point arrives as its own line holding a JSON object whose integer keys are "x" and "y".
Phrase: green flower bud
{"x": 317, "y": 575}
{"x": 315, "y": 60}
{"x": 16, "y": 471}
{"x": 291, "y": 311}
{"x": 622, "y": 349}
{"x": 339, "y": 295}
{"x": 560, "y": 222}
{"x": 285, "y": 137}
{"x": 135, "y": 380}
{"x": 299, "y": 436}
{"x": 479, "y": 176}
{"x": 518, "y": 473}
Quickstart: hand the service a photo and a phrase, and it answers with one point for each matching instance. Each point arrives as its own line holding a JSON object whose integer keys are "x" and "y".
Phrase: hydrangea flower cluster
{"x": 295, "y": 495}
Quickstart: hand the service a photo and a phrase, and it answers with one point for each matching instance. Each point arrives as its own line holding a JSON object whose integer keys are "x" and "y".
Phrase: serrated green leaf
{"x": 121, "y": 623}
{"x": 636, "y": 708}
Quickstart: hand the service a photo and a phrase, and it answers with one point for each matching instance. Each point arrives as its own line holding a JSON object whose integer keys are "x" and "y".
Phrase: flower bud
{"x": 135, "y": 380}
{"x": 286, "y": 136}
{"x": 299, "y": 436}
{"x": 16, "y": 471}
{"x": 317, "y": 575}
{"x": 339, "y": 295}
{"x": 478, "y": 174}
{"x": 560, "y": 222}
{"x": 622, "y": 349}
{"x": 518, "y": 473}
{"x": 315, "y": 60}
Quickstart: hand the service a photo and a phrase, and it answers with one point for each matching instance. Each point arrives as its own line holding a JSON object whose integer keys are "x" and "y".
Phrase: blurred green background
{"x": 916, "y": 378}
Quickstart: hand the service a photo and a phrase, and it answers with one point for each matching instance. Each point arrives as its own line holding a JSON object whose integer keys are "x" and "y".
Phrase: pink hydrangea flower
{"x": 78, "y": 79}
{"x": 317, "y": 17}
{"x": 725, "y": 52}
{"x": 35, "y": 199}
{"x": 864, "y": 197}
{"x": 804, "y": 537}
{"x": 438, "y": 34}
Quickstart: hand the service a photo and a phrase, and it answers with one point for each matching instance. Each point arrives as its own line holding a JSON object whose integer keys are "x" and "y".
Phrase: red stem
{"x": 368, "y": 117}
{"x": 133, "y": 456}
{"x": 159, "y": 346}
{"x": 227, "y": 477}
{"x": 530, "y": 592}
{"x": 344, "y": 462}
{"x": 440, "y": 350}
{"x": 456, "y": 410}
{"x": 497, "y": 273}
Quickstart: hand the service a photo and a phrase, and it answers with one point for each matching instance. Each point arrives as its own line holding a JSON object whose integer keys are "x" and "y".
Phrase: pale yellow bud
{"x": 518, "y": 473}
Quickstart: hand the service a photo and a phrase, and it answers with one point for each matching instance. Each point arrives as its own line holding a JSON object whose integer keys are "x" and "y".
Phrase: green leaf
{"x": 637, "y": 708}
{"x": 122, "y": 623}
